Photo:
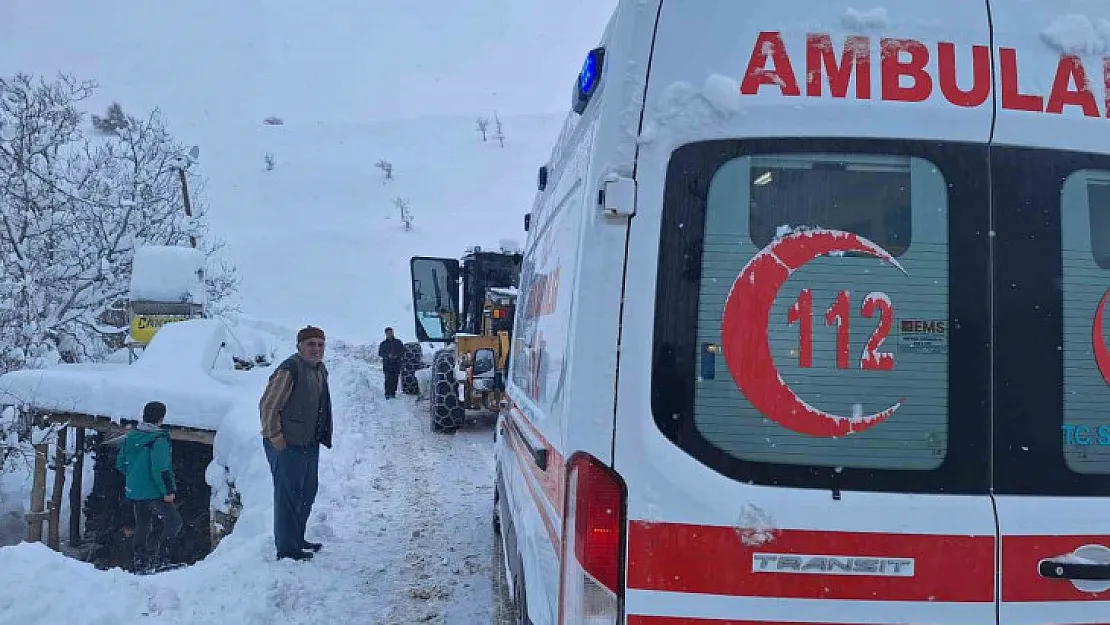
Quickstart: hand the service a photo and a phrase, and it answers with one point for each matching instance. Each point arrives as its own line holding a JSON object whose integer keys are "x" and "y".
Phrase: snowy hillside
{"x": 354, "y": 82}
{"x": 319, "y": 239}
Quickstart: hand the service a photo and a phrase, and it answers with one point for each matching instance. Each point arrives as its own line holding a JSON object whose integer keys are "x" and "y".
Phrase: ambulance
{"x": 812, "y": 321}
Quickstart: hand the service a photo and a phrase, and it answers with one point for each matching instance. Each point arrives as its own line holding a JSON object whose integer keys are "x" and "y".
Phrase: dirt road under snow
{"x": 427, "y": 501}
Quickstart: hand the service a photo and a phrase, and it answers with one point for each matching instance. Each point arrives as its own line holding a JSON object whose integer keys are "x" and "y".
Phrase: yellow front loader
{"x": 469, "y": 307}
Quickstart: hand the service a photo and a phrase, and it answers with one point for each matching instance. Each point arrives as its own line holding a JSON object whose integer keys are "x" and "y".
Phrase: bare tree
{"x": 406, "y": 214}
{"x": 499, "y": 132}
{"x": 483, "y": 127}
{"x": 386, "y": 167}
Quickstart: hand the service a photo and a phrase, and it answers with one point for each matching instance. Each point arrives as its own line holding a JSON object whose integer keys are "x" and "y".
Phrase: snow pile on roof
{"x": 166, "y": 273}
{"x": 875, "y": 18}
{"x": 511, "y": 246}
{"x": 723, "y": 93}
{"x": 1078, "y": 34}
{"x": 187, "y": 367}
{"x": 686, "y": 111}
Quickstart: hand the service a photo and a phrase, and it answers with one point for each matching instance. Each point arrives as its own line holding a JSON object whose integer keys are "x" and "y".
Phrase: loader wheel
{"x": 444, "y": 404}
{"x": 410, "y": 363}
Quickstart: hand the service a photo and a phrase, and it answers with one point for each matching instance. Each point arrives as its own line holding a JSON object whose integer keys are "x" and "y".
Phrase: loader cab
{"x": 488, "y": 280}
{"x": 483, "y": 271}
{"x": 435, "y": 298}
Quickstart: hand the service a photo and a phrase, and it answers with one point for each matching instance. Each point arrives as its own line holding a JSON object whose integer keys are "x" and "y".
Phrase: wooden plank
{"x": 75, "y": 489}
{"x": 38, "y": 495}
{"x": 114, "y": 428}
{"x": 54, "y": 524}
{"x": 36, "y": 517}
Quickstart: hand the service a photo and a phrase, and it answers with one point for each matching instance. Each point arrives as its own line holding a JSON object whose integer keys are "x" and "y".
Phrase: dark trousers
{"x": 296, "y": 475}
{"x": 146, "y": 542}
{"x": 391, "y": 376}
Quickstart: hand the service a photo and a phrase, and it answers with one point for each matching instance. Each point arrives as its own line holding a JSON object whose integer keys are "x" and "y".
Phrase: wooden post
{"x": 185, "y": 198}
{"x": 53, "y": 526}
{"x": 75, "y": 489}
{"x": 38, "y": 496}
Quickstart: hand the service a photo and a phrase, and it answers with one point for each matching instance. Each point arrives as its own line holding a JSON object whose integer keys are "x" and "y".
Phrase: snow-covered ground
{"x": 405, "y": 515}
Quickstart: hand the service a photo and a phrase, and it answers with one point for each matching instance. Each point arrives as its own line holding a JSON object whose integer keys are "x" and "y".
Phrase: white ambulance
{"x": 812, "y": 321}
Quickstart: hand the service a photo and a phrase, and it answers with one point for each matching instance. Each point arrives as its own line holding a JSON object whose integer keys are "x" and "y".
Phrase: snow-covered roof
{"x": 186, "y": 366}
{"x": 167, "y": 273}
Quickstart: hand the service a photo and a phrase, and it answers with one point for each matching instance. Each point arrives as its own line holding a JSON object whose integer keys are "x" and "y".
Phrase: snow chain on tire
{"x": 410, "y": 363}
{"x": 447, "y": 412}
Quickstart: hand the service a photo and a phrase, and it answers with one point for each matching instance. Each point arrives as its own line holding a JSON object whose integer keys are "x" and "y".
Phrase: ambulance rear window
{"x": 819, "y": 351}
{"x": 869, "y": 196}
{"x": 1098, "y": 200}
{"x": 819, "y": 329}
{"x": 1085, "y": 221}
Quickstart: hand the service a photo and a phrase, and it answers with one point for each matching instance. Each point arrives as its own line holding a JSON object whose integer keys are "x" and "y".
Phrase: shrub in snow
{"x": 273, "y": 121}
{"x": 483, "y": 127}
{"x": 386, "y": 167}
{"x": 406, "y": 215}
{"x": 113, "y": 122}
{"x": 499, "y": 131}
{"x": 269, "y": 161}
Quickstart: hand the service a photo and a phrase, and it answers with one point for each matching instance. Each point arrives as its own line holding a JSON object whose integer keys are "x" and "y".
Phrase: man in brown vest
{"x": 296, "y": 420}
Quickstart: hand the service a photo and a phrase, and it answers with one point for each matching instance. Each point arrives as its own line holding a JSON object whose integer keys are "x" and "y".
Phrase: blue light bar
{"x": 589, "y": 79}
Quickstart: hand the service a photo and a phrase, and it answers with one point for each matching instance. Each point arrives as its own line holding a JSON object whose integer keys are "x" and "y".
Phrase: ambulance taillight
{"x": 593, "y": 553}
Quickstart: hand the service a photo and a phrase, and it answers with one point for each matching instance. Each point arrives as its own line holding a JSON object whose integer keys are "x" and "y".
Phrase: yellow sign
{"x": 144, "y": 327}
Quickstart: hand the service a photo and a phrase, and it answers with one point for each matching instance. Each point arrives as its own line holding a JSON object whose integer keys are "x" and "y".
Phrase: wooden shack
{"x": 105, "y": 537}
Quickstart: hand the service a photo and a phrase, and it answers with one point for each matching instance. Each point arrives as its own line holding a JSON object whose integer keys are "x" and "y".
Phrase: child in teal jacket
{"x": 149, "y": 483}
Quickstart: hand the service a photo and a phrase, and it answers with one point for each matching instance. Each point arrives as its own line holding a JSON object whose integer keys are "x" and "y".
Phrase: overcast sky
{"x": 324, "y": 60}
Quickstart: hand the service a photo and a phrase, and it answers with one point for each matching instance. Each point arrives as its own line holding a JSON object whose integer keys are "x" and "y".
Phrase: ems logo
{"x": 832, "y": 565}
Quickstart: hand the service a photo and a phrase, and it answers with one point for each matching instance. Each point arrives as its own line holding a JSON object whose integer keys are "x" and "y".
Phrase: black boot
{"x": 140, "y": 564}
{"x": 161, "y": 560}
{"x": 295, "y": 555}
{"x": 308, "y": 546}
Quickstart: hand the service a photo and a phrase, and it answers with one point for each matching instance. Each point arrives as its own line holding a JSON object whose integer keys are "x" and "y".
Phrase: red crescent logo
{"x": 745, "y": 323}
{"x": 1098, "y": 340}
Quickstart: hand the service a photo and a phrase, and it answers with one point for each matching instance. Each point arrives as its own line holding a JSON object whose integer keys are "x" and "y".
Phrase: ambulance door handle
{"x": 1056, "y": 569}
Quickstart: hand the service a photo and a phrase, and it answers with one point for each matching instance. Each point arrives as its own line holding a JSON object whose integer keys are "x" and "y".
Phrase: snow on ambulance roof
{"x": 166, "y": 273}
{"x": 908, "y": 70}
{"x": 174, "y": 369}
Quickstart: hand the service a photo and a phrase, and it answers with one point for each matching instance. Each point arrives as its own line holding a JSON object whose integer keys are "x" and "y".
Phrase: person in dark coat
{"x": 296, "y": 419}
{"x": 391, "y": 351}
{"x": 150, "y": 484}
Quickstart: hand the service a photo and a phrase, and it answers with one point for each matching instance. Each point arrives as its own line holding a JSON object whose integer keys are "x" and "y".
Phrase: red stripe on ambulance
{"x": 553, "y": 479}
{"x": 1021, "y": 580}
{"x": 524, "y": 462}
{"x": 714, "y": 560}
{"x": 636, "y": 619}
{"x": 771, "y": 66}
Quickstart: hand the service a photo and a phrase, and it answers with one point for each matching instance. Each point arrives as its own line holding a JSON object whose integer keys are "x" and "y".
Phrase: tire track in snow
{"x": 436, "y": 502}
